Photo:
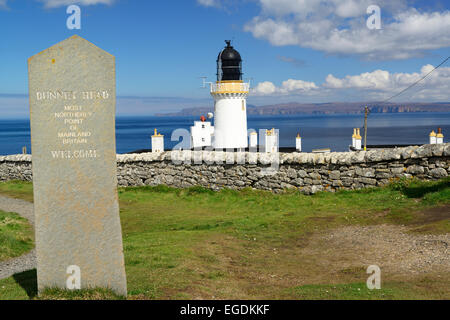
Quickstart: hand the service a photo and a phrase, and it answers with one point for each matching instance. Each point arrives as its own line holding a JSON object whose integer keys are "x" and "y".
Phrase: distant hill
{"x": 325, "y": 108}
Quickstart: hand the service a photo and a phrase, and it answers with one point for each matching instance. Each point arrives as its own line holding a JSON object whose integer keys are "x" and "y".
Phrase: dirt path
{"x": 333, "y": 256}
{"x": 27, "y": 261}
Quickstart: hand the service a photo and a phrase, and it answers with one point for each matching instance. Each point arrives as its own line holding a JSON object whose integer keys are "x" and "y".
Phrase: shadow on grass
{"x": 418, "y": 189}
{"x": 28, "y": 281}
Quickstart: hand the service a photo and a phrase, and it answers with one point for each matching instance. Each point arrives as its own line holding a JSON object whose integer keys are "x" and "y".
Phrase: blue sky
{"x": 294, "y": 50}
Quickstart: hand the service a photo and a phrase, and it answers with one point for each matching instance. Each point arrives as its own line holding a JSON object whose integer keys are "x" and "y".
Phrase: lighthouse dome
{"x": 229, "y": 53}
{"x": 229, "y": 64}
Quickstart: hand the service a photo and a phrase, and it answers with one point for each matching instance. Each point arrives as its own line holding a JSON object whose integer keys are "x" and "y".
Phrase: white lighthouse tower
{"x": 230, "y": 101}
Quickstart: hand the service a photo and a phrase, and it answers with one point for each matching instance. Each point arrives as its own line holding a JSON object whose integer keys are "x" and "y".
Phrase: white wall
{"x": 230, "y": 122}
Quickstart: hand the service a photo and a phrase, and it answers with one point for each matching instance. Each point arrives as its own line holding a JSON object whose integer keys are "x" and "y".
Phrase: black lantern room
{"x": 229, "y": 64}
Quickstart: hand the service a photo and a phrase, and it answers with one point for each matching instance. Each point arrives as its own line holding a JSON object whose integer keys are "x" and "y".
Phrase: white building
{"x": 201, "y": 134}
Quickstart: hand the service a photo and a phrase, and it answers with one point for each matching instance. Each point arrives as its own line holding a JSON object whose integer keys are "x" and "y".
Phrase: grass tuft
{"x": 414, "y": 188}
{"x": 85, "y": 294}
{"x": 16, "y": 236}
{"x": 359, "y": 291}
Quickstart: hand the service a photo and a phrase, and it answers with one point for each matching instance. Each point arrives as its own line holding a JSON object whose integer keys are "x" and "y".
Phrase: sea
{"x": 317, "y": 131}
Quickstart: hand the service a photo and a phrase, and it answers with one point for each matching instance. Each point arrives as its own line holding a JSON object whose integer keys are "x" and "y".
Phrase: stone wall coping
{"x": 342, "y": 158}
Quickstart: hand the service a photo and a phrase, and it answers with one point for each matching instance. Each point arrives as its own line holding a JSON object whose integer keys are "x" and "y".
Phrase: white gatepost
{"x": 271, "y": 143}
{"x": 253, "y": 139}
{"x": 432, "y": 137}
{"x": 439, "y": 137}
{"x": 157, "y": 142}
{"x": 298, "y": 143}
{"x": 354, "y": 138}
{"x": 358, "y": 139}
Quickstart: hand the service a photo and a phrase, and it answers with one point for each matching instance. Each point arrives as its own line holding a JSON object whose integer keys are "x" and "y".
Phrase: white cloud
{"x": 351, "y": 8}
{"x": 265, "y": 88}
{"x": 60, "y": 3}
{"x": 376, "y": 80}
{"x": 375, "y": 85}
{"x": 290, "y": 86}
{"x": 384, "y": 81}
{"x": 339, "y": 27}
{"x": 209, "y": 3}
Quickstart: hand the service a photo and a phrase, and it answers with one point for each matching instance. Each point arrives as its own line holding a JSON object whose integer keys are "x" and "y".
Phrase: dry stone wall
{"x": 307, "y": 172}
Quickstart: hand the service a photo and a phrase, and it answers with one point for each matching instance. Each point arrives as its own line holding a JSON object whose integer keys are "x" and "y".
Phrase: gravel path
{"x": 27, "y": 261}
{"x": 392, "y": 248}
{"x": 18, "y": 265}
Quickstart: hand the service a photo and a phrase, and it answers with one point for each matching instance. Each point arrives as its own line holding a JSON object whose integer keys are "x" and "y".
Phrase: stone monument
{"x": 72, "y": 92}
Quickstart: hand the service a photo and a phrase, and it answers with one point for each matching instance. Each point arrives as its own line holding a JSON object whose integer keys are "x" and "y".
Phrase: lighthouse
{"x": 230, "y": 94}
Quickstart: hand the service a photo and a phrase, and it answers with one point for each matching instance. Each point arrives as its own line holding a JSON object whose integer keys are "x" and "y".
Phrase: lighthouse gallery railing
{"x": 230, "y": 87}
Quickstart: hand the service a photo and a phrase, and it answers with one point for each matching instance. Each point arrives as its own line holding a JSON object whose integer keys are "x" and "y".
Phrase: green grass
{"x": 196, "y": 243}
{"x": 16, "y": 235}
{"x": 24, "y": 285}
{"x": 19, "y": 287}
{"x": 17, "y": 189}
{"x": 359, "y": 291}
